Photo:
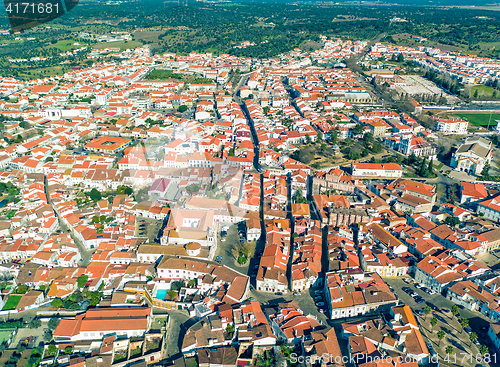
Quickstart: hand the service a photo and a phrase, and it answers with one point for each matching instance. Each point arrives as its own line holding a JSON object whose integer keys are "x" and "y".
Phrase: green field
{"x": 12, "y": 302}
{"x": 480, "y": 119}
{"x": 4, "y": 336}
{"x": 66, "y": 45}
{"x": 483, "y": 92}
{"x": 161, "y": 74}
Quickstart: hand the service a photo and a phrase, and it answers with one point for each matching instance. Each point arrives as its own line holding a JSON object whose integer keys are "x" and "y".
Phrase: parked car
{"x": 317, "y": 292}
{"x": 320, "y": 304}
{"x": 407, "y": 280}
{"x": 420, "y": 312}
{"x": 419, "y": 286}
{"x": 279, "y": 293}
{"x": 476, "y": 342}
{"x": 431, "y": 349}
{"x": 425, "y": 289}
{"x": 468, "y": 330}
{"x": 419, "y": 300}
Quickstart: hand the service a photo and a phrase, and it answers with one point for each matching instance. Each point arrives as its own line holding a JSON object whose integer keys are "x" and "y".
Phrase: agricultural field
{"x": 480, "y": 119}
{"x": 123, "y": 45}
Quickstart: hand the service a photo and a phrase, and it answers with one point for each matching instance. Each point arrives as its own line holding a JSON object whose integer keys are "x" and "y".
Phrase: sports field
{"x": 4, "y": 336}
{"x": 480, "y": 119}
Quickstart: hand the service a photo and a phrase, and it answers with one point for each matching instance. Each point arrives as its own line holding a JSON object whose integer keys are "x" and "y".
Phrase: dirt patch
{"x": 310, "y": 46}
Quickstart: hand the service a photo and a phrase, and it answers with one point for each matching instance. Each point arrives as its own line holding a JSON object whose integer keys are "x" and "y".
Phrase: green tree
{"x": 308, "y": 139}
{"x": 334, "y": 136}
{"x": 129, "y": 191}
{"x": 483, "y": 349}
{"x": 449, "y": 350}
{"x": 434, "y": 322}
{"x": 191, "y": 189}
{"x": 452, "y": 221}
{"x": 358, "y": 129}
{"x": 464, "y": 323}
{"x": 427, "y": 311}
{"x": 476, "y": 94}
{"x": 430, "y": 168}
{"x": 51, "y": 349}
{"x": 182, "y": 108}
{"x": 95, "y": 195}
{"x": 53, "y": 322}
{"x": 21, "y": 289}
{"x": 35, "y": 324}
{"x": 441, "y": 334}
{"x": 367, "y": 139}
{"x": 82, "y": 281}
{"x": 472, "y": 337}
{"x": 68, "y": 350}
{"x": 57, "y": 303}
{"x": 376, "y": 147}
{"x": 423, "y": 168}
{"x": 94, "y": 298}
{"x": 454, "y": 310}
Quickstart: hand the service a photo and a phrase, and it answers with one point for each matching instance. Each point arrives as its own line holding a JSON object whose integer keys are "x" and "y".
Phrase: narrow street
{"x": 86, "y": 254}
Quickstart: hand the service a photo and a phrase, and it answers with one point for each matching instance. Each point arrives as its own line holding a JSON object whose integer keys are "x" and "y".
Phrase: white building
{"x": 382, "y": 170}
{"x": 452, "y": 126}
{"x": 472, "y": 156}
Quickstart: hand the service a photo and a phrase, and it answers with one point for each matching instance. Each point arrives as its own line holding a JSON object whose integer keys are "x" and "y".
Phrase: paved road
{"x": 85, "y": 253}
{"x": 178, "y": 324}
{"x": 305, "y": 302}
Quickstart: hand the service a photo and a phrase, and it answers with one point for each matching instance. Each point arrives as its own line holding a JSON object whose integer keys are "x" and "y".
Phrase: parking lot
{"x": 147, "y": 227}
{"x": 454, "y": 336}
{"x": 227, "y": 243}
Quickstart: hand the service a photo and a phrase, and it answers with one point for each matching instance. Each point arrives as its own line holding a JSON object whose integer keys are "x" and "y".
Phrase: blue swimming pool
{"x": 161, "y": 293}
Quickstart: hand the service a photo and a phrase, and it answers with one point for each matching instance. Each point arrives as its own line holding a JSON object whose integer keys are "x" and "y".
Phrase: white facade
{"x": 454, "y": 126}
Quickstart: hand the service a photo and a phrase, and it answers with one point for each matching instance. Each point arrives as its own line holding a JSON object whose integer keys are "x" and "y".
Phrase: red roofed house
{"x": 97, "y": 323}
